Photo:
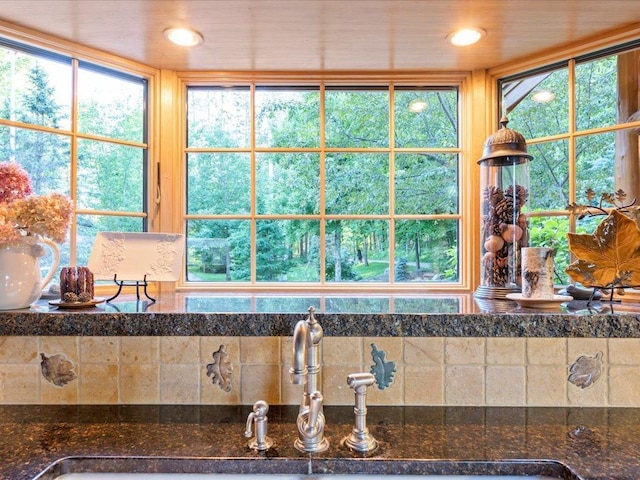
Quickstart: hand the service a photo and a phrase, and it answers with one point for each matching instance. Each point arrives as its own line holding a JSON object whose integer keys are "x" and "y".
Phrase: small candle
{"x": 537, "y": 272}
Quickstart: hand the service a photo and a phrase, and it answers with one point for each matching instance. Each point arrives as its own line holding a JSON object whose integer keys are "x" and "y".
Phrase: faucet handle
{"x": 261, "y": 441}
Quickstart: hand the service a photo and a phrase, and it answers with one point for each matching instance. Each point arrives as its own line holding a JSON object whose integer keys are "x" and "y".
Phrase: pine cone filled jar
{"x": 504, "y": 190}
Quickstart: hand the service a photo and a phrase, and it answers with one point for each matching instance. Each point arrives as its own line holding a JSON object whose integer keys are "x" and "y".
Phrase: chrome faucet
{"x": 360, "y": 440}
{"x": 261, "y": 442}
{"x": 307, "y": 336}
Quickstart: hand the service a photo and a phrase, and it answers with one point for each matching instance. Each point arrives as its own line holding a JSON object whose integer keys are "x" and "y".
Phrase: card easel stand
{"x": 138, "y": 283}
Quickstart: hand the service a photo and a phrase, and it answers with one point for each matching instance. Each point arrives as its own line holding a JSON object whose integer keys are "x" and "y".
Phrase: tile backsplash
{"x": 232, "y": 370}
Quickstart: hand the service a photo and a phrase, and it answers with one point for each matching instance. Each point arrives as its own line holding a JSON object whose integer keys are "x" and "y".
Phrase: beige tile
{"x": 424, "y": 385}
{"x": 391, "y": 395}
{"x": 290, "y": 394}
{"x": 139, "y": 383}
{"x": 179, "y": 384}
{"x": 286, "y": 350}
{"x": 213, "y": 394}
{"x": 505, "y": 351}
{"x": 69, "y": 346}
{"x": 547, "y": 351}
{"x": 99, "y": 350}
{"x": 334, "y": 384}
{"x": 505, "y": 385}
{"x": 464, "y": 385}
{"x": 423, "y": 351}
{"x": 546, "y": 385}
{"x": 624, "y": 351}
{"x": 19, "y": 383}
{"x": 342, "y": 350}
{"x": 59, "y": 395}
{"x": 464, "y": 350}
{"x": 179, "y": 350}
{"x": 210, "y": 345}
{"x": 140, "y": 350}
{"x": 624, "y": 386}
{"x": 595, "y": 395}
{"x": 260, "y": 382}
{"x": 98, "y": 383}
{"x": 19, "y": 350}
{"x": 260, "y": 350}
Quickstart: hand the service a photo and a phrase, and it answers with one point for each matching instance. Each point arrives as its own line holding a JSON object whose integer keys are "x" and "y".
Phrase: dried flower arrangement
{"x": 23, "y": 214}
{"x": 610, "y": 257}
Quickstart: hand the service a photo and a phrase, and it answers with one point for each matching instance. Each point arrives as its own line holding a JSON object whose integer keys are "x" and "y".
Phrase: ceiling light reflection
{"x": 417, "y": 105}
{"x": 543, "y": 96}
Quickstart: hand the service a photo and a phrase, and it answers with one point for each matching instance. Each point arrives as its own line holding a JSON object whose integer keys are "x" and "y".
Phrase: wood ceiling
{"x": 322, "y": 35}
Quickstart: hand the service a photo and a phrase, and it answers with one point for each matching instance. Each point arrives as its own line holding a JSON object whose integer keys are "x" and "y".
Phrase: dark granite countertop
{"x": 571, "y": 443}
{"x": 196, "y": 314}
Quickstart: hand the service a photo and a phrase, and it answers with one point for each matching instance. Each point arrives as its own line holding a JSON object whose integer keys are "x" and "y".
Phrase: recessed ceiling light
{"x": 466, "y": 36}
{"x": 185, "y": 37}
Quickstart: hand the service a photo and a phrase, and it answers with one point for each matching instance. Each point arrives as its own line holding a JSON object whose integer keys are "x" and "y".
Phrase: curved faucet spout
{"x": 299, "y": 369}
{"x": 305, "y": 370}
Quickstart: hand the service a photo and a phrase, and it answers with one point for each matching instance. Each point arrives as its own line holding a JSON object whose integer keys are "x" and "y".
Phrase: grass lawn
{"x": 373, "y": 270}
{"x": 206, "y": 277}
{"x": 303, "y": 273}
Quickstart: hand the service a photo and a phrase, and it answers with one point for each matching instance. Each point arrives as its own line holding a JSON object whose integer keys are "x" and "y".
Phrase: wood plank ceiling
{"x": 322, "y": 35}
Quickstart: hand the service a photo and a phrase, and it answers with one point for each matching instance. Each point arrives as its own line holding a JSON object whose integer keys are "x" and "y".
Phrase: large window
{"x": 322, "y": 185}
{"x": 575, "y": 118}
{"x": 86, "y": 139}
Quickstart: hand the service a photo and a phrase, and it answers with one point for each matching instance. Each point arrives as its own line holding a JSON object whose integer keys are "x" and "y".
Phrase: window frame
{"x": 464, "y": 217}
{"x": 77, "y": 57}
{"x": 570, "y": 59}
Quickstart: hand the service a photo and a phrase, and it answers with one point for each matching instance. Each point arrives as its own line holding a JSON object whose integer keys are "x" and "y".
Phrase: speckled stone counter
{"x": 383, "y": 316}
{"x": 591, "y": 444}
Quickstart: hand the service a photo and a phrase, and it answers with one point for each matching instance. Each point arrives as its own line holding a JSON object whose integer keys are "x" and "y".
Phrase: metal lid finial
{"x": 505, "y": 142}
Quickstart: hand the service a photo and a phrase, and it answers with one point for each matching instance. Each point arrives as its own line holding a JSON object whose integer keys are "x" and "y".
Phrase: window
{"x": 575, "y": 118}
{"x": 88, "y": 140}
{"x": 322, "y": 185}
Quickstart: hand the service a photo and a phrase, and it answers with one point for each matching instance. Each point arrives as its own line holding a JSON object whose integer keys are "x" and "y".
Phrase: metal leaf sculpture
{"x": 608, "y": 258}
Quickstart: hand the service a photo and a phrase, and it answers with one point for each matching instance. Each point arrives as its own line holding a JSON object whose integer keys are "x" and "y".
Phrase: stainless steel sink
{"x": 284, "y": 468}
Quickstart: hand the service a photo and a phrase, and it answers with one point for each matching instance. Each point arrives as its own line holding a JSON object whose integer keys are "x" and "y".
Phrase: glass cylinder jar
{"x": 504, "y": 190}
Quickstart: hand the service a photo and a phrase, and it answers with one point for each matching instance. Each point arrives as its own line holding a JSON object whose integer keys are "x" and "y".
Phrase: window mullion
{"x": 73, "y": 173}
{"x": 322, "y": 218}
{"x": 392, "y": 236}
{"x": 253, "y": 197}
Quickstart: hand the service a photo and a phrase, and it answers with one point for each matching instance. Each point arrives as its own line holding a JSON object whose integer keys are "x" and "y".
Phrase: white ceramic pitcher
{"x": 21, "y": 283}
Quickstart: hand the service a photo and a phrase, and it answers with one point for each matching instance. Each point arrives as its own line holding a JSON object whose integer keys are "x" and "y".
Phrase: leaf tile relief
{"x": 57, "y": 369}
{"x": 221, "y": 369}
{"x": 586, "y": 370}
{"x": 384, "y": 371}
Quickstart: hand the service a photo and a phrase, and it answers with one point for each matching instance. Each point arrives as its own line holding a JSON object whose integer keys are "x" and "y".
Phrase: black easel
{"x": 137, "y": 284}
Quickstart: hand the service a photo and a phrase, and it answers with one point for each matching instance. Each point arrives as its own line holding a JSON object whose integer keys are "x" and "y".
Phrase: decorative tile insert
{"x": 383, "y": 371}
{"x": 57, "y": 369}
{"x": 586, "y": 370}
{"x": 220, "y": 370}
